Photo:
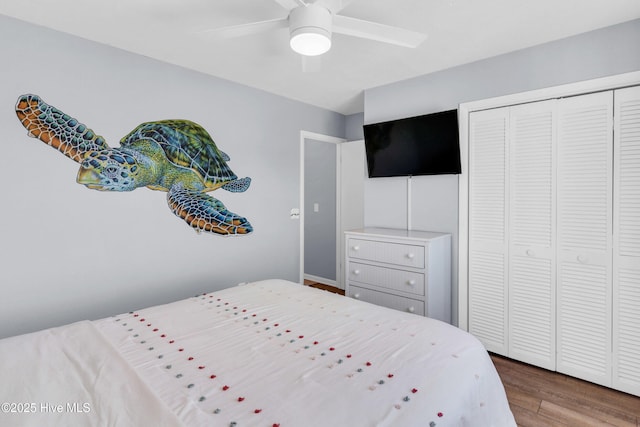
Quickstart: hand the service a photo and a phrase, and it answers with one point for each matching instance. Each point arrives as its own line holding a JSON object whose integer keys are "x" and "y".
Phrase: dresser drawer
{"x": 395, "y": 302}
{"x": 392, "y": 253}
{"x": 388, "y": 278}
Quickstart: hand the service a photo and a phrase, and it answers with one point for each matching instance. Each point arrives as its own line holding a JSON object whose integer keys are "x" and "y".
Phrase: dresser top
{"x": 397, "y": 232}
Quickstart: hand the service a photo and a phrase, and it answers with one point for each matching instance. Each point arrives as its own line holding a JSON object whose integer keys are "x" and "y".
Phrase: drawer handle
{"x": 410, "y": 255}
{"x": 356, "y": 272}
{"x": 356, "y": 296}
{"x": 411, "y": 282}
{"x": 355, "y": 248}
{"x": 411, "y": 309}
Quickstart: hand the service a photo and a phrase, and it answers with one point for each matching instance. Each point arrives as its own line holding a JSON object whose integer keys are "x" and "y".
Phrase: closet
{"x": 554, "y": 234}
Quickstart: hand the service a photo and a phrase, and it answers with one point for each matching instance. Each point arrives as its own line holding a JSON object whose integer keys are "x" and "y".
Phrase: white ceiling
{"x": 460, "y": 31}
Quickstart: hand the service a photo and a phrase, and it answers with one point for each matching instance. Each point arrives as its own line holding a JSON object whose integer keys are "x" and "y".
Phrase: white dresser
{"x": 405, "y": 270}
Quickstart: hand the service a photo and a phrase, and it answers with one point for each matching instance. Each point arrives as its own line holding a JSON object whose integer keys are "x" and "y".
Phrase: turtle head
{"x": 109, "y": 170}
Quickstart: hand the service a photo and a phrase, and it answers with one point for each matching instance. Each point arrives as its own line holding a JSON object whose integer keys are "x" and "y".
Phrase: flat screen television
{"x": 422, "y": 145}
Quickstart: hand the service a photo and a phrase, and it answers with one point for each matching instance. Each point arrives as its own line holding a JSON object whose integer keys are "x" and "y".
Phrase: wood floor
{"x": 541, "y": 398}
{"x": 324, "y": 287}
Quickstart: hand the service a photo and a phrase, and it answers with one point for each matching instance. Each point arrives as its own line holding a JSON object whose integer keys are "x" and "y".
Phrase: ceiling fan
{"x": 311, "y": 24}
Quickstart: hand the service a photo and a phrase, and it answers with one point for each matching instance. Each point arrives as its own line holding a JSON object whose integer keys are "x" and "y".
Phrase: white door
{"x": 626, "y": 243}
{"x": 531, "y": 213}
{"x": 488, "y": 189}
{"x": 585, "y": 147}
{"x": 352, "y": 174}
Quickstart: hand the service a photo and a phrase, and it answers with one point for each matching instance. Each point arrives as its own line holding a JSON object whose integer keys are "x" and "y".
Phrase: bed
{"x": 268, "y": 353}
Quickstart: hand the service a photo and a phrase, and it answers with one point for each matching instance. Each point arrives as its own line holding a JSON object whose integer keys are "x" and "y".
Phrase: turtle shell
{"x": 186, "y": 144}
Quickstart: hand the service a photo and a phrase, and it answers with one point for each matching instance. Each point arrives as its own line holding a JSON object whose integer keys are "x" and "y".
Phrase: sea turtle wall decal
{"x": 176, "y": 156}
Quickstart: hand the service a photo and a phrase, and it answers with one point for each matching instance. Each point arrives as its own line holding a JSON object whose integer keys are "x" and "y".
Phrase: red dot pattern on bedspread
{"x": 139, "y": 325}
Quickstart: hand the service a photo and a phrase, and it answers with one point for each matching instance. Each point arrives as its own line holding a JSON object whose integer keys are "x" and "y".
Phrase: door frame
{"x": 305, "y": 135}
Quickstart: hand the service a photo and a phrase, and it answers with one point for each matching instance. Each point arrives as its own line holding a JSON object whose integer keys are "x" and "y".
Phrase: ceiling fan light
{"x": 310, "y": 41}
{"x": 310, "y": 29}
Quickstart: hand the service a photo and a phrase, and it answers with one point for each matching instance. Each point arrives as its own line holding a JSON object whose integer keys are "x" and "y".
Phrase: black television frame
{"x": 422, "y": 145}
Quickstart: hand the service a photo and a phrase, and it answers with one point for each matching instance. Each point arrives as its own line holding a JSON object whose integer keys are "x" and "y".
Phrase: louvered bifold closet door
{"x": 585, "y": 142}
{"x": 488, "y": 298}
{"x": 532, "y": 284}
{"x": 626, "y": 243}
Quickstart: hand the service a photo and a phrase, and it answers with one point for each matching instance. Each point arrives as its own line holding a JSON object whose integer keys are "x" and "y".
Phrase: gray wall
{"x": 70, "y": 253}
{"x": 434, "y": 200}
{"x": 320, "y": 227}
{"x": 353, "y": 124}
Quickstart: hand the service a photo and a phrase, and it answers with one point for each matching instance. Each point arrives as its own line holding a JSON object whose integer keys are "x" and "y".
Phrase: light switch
{"x": 316, "y": 207}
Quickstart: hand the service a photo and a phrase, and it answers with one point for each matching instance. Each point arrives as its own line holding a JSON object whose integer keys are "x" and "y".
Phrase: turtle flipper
{"x": 204, "y": 213}
{"x": 54, "y": 128}
{"x": 238, "y": 185}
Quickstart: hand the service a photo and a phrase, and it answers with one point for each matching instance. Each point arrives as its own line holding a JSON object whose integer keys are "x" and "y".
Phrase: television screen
{"x": 423, "y": 145}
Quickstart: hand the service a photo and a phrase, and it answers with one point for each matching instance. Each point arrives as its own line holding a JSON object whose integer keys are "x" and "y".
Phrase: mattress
{"x": 268, "y": 353}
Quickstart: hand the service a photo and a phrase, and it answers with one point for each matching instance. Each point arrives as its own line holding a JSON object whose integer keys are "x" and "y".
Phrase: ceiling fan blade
{"x": 248, "y": 29}
{"x": 311, "y": 64}
{"x": 290, "y": 4}
{"x": 374, "y": 31}
{"x": 334, "y": 6}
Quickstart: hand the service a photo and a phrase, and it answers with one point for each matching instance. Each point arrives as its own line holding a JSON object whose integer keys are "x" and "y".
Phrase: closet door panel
{"x": 532, "y": 271}
{"x": 488, "y": 298}
{"x": 584, "y": 326}
{"x": 531, "y": 311}
{"x": 585, "y": 142}
{"x": 626, "y": 244}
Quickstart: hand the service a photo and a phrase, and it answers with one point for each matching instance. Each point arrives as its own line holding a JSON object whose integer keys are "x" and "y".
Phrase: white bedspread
{"x": 270, "y": 353}
{"x": 71, "y": 376}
